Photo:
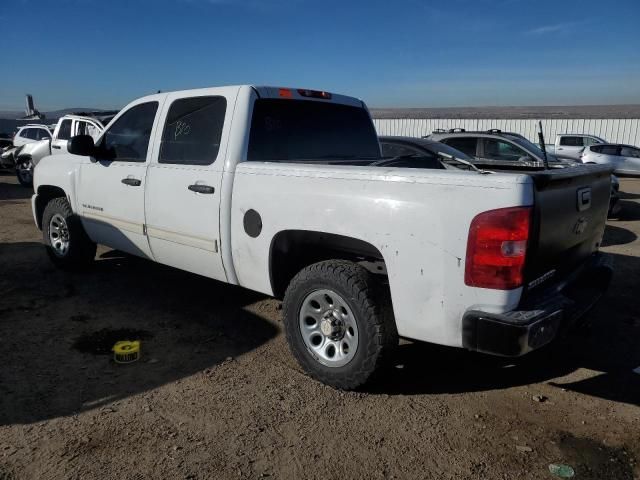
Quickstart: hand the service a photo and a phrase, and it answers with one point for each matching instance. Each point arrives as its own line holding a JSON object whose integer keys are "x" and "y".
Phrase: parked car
{"x": 625, "y": 159}
{"x": 70, "y": 125}
{"x": 284, "y": 191}
{"x": 507, "y": 151}
{"x": 31, "y": 133}
{"x": 571, "y": 145}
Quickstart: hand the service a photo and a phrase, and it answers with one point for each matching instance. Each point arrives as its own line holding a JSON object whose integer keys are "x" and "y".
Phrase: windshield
{"x": 284, "y": 130}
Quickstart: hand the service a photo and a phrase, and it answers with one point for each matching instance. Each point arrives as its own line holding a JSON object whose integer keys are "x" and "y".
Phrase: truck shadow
{"x": 608, "y": 346}
{"x": 614, "y": 235}
{"x": 54, "y": 325}
{"x": 10, "y": 189}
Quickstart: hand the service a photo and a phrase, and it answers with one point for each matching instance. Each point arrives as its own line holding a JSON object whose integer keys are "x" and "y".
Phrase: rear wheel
{"x": 24, "y": 172}
{"x": 67, "y": 243}
{"x": 339, "y": 322}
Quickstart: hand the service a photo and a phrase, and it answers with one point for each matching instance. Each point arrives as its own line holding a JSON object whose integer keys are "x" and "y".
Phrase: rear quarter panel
{"x": 418, "y": 220}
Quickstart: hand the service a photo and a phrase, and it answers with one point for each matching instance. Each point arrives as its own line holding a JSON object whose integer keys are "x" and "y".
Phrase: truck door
{"x": 61, "y": 136}
{"x": 182, "y": 198}
{"x": 111, "y": 184}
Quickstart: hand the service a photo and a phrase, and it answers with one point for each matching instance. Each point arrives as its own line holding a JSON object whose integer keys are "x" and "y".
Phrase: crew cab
{"x": 285, "y": 191}
{"x": 28, "y": 156}
{"x": 571, "y": 145}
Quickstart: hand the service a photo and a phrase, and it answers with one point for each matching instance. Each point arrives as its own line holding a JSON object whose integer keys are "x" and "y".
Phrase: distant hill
{"x": 577, "y": 111}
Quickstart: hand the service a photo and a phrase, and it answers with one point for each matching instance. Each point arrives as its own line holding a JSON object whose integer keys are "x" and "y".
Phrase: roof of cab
{"x": 263, "y": 91}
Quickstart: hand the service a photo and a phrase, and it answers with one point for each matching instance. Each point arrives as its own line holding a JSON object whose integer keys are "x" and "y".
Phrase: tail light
{"x": 497, "y": 248}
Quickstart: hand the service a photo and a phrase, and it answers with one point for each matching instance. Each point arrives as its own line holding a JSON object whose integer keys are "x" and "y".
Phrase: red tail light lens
{"x": 497, "y": 248}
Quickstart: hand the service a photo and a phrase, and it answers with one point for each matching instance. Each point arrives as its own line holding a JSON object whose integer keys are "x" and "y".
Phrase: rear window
{"x": 307, "y": 130}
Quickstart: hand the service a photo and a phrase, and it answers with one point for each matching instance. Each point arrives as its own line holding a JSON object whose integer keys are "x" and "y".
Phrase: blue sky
{"x": 405, "y": 53}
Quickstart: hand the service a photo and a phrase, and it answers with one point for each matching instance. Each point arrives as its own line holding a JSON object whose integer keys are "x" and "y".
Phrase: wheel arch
{"x": 292, "y": 250}
{"x": 45, "y": 194}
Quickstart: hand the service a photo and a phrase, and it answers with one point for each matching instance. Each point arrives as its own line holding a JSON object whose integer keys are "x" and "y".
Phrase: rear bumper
{"x": 542, "y": 318}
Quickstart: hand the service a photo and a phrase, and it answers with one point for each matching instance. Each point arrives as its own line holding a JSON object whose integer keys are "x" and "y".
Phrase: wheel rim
{"x": 59, "y": 235}
{"x": 328, "y": 328}
{"x": 25, "y": 172}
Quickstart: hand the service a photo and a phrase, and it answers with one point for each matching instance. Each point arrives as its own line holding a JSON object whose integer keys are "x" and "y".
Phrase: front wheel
{"x": 24, "y": 172}
{"x": 67, "y": 243}
{"x": 339, "y": 322}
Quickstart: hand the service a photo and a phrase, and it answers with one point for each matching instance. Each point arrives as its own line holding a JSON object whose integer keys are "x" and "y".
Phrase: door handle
{"x": 198, "y": 188}
{"x": 57, "y": 147}
{"x": 133, "y": 182}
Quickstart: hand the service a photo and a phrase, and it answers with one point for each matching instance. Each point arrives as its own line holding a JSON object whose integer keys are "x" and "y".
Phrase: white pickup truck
{"x": 571, "y": 145}
{"x": 284, "y": 191}
{"x": 28, "y": 156}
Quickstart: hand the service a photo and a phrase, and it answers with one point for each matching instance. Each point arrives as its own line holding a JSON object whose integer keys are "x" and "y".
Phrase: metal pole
{"x": 542, "y": 145}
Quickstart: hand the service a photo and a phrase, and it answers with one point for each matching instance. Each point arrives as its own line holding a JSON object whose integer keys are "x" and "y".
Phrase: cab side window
{"x": 193, "y": 131}
{"x": 65, "y": 130}
{"x": 128, "y": 138}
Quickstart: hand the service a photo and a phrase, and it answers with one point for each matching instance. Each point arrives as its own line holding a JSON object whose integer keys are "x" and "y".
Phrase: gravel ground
{"x": 217, "y": 394}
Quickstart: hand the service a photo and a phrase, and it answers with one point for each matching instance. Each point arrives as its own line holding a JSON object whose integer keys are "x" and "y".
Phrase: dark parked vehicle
{"x": 506, "y": 151}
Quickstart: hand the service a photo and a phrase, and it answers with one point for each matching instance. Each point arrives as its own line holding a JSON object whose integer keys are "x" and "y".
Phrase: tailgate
{"x": 570, "y": 212}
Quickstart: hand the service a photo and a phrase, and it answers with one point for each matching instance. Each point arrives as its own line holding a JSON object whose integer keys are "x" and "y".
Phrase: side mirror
{"x": 81, "y": 145}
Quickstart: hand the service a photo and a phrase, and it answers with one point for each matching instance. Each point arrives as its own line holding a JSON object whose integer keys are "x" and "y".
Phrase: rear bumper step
{"x": 541, "y": 319}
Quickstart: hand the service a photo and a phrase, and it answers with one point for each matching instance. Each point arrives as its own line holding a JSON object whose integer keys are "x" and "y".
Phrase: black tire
{"x": 370, "y": 303}
{"x": 25, "y": 176}
{"x": 81, "y": 251}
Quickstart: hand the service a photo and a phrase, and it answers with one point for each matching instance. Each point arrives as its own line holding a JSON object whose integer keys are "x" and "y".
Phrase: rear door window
{"x": 289, "y": 130}
{"x": 610, "y": 150}
{"x": 466, "y": 145}
{"x": 193, "y": 130}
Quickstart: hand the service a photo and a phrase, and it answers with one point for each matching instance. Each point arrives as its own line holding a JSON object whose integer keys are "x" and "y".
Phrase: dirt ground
{"x": 217, "y": 395}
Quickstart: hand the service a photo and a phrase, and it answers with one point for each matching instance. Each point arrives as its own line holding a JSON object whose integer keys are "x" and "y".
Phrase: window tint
{"x": 304, "y": 129}
{"x": 501, "y": 150}
{"x": 395, "y": 150}
{"x": 43, "y": 134}
{"x": 81, "y": 128}
{"x": 64, "y": 133}
{"x": 610, "y": 150}
{"x": 590, "y": 141}
{"x": 29, "y": 133}
{"x": 630, "y": 152}
{"x": 464, "y": 144}
{"x": 193, "y": 130}
{"x": 568, "y": 141}
{"x": 128, "y": 138}
{"x": 596, "y": 148}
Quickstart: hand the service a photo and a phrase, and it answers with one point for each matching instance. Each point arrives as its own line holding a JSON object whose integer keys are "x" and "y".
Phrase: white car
{"x": 31, "y": 133}
{"x": 625, "y": 159}
{"x": 28, "y": 156}
{"x": 284, "y": 191}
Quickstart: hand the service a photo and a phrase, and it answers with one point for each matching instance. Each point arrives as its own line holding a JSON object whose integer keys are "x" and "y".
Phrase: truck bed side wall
{"x": 419, "y": 221}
